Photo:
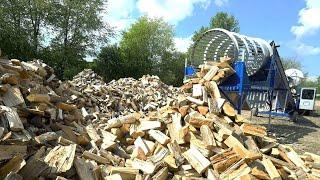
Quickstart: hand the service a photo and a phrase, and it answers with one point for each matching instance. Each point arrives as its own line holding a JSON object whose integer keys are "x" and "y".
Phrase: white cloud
{"x": 309, "y": 19}
{"x": 182, "y": 44}
{"x": 172, "y": 11}
{"x": 119, "y": 13}
{"x": 304, "y": 49}
{"x": 220, "y": 3}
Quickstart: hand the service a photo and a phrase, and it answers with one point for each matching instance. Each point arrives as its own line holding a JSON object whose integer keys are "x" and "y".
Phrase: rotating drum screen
{"x": 216, "y": 43}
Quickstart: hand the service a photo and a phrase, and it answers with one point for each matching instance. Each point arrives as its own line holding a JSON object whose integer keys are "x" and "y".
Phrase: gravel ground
{"x": 303, "y": 135}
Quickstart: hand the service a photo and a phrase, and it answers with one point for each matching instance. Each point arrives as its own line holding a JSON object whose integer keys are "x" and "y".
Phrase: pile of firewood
{"x": 122, "y": 96}
{"x": 133, "y": 129}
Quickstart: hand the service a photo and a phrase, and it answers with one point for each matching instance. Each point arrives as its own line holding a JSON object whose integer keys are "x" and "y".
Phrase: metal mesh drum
{"x": 216, "y": 43}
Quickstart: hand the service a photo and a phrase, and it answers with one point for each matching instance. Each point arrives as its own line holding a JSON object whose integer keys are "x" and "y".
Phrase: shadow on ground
{"x": 290, "y": 134}
{"x": 305, "y": 121}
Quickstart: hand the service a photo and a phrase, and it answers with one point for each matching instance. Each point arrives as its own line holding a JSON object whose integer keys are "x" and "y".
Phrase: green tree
{"x": 37, "y": 11}
{"x": 198, "y": 33}
{"x": 13, "y": 29}
{"x": 172, "y": 70}
{"x": 145, "y": 46}
{"x": 20, "y": 27}
{"x": 220, "y": 20}
{"x": 78, "y": 27}
{"x": 225, "y": 21}
{"x": 289, "y": 63}
{"x": 109, "y": 63}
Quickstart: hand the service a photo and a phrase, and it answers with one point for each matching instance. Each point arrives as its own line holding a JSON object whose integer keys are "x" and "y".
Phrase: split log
{"x": 213, "y": 89}
{"x": 107, "y": 135}
{"x": 13, "y": 118}
{"x": 176, "y": 151}
{"x": 60, "y": 158}
{"x": 229, "y": 110}
{"x": 183, "y": 110}
{"x": 14, "y": 165}
{"x": 211, "y": 73}
{"x": 135, "y": 131}
{"x": 99, "y": 159}
{"x": 271, "y": 169}
{"x": 141, "y": 143}
{"x": 254, "y": 130}
{"x": 162, "y": 174}
{"x": 225, "y": 159}
{"x": 39, "y": 98}
{"x": 195, "y": 101}
{"x": 93, "y": 133}
{"x": 117, "y": 122}
{"x": 45, "y": 137}
{"x": 139, "y": 154}
{"x": 9, "y": 151}
{"x": 200, "y": 145}
{"x": 9, "y": 78}
{"x": 113, "y": 177}
{"x": 215, "y": 105}
{"x": 196, "y": 90}
{"x": 83, "y": 169}
{"x": 66, "y": 107}
{"x": 159, "y": 155}
{"x": 226, "y": 59}
{"x": 294, "y": 157}
{"x": 159, "y": 136}
{"x": 197, "y": 160}
{"x": 237, "y": 146}
{"x": 64, "y": 141}
{"x": 145, "y": 166}
{"x": 278, "y": 162}
{"x": 108, "y": 155}
{"x": 13, "y": 176}
{"x": 13, "y": 97}
{"x": 198, "y": 120}
{"x": 33, "y": 169}
{"x": 176, "y": 131}
{"x": 237, "y": 173}
{"x": 207, "y": 136}
{"x": 260, "y": 174}
{"x": 128, "y": 173}
{"x": 251, "y": 144}
{"x": 268, "y": 147}
{"x": 147, "y": 125}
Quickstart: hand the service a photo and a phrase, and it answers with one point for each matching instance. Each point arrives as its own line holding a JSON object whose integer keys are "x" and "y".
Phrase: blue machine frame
{"x": 241, "y": 84}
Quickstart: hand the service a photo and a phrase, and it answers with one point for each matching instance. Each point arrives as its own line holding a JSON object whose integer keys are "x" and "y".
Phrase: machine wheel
{"x": 307, "y": 113}
{"x": 294, "y": 116}
{"x": 304, "y": 112}
{"x": 254, "y": 111}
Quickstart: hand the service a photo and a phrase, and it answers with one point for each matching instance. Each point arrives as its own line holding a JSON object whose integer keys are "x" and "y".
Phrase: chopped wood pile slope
{"x": 124, "y": 95}
{"x": 133, "y": 129}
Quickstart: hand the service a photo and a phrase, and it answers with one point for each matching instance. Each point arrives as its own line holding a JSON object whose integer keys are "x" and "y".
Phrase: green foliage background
{"x": 64, "y": 33}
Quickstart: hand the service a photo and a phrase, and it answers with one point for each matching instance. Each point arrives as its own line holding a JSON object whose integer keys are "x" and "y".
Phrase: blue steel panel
{"x": 189, "y": 71}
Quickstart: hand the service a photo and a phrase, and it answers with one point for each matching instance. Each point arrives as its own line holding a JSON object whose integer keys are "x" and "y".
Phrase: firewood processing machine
{"x": 259, "y": 82}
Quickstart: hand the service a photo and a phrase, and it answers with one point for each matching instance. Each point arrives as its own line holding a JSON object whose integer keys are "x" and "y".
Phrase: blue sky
{"x": 293, "y": 24}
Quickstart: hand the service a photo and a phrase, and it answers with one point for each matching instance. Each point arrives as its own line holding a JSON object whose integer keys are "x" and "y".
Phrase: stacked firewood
{"x": 122, "y": 96}
{"x": 133, "y": 129}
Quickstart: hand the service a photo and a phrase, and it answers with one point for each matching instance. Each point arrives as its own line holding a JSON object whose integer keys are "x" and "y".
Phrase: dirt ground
{"x": 303, "y": 135}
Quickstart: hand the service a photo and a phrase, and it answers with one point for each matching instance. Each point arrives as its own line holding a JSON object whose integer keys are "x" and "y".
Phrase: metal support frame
{"x": 239, "y": 83}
